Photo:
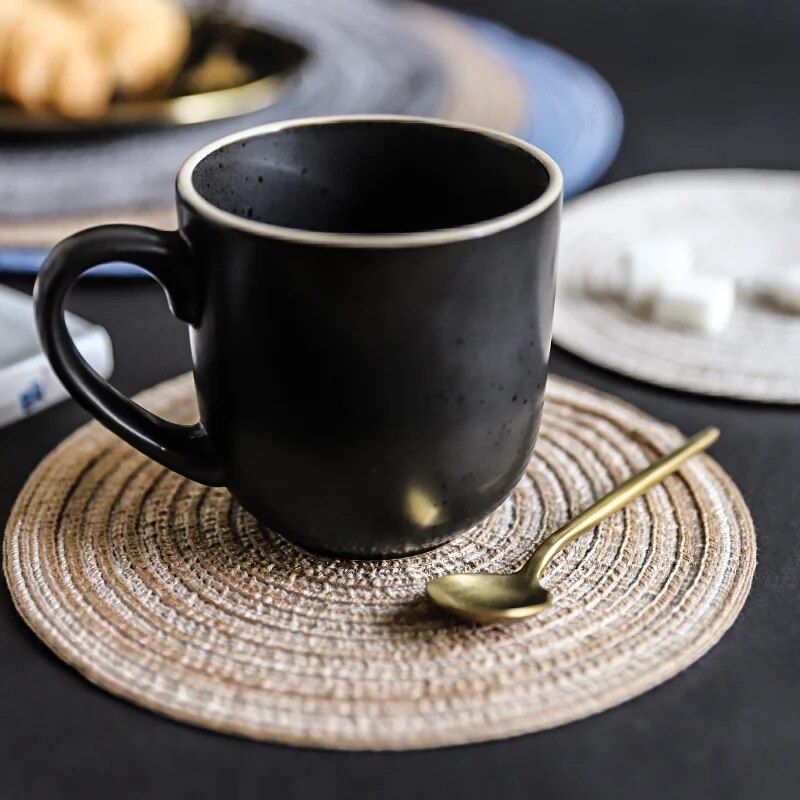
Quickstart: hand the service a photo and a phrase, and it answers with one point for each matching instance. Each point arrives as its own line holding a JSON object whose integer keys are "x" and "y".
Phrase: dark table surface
{"x": 704, "y": 83}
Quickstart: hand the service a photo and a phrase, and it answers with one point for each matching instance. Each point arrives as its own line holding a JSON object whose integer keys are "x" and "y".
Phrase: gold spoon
{"x": 485, "y": 597}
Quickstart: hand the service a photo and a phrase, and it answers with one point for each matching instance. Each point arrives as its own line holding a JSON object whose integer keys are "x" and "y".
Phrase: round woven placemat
{"x": 481, "y": 88}
{"x": 44, "y": 232}
{"x": 741, "y": 223}
{"x": 167, "y": 593}
{"x": 571, "y": 112}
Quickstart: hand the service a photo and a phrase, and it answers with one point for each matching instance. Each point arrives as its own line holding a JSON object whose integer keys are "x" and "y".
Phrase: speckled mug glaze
{"x": 369, "y": 302}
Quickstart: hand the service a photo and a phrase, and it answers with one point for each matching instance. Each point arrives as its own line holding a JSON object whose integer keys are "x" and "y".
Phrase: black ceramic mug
{"x": 369, "y": 301}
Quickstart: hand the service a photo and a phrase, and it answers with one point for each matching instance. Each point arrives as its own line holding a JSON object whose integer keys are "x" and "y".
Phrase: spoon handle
{"x": 616, "y": 500}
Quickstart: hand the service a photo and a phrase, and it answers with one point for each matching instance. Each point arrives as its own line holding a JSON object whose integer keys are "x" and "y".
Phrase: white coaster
{"x": 741, "y": 223}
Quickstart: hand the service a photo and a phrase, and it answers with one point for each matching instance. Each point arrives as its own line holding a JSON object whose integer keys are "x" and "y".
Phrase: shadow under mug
{"x": 369, "y": 301}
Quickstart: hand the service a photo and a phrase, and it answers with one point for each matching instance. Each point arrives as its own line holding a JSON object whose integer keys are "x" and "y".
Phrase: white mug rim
{"x": 205, "y": 208}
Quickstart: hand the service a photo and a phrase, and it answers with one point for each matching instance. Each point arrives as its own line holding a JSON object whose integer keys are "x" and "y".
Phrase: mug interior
{"x": 375, "y": 176}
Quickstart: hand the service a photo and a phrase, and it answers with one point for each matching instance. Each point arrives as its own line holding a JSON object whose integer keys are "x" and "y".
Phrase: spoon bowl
{"x": 483, "y": 597}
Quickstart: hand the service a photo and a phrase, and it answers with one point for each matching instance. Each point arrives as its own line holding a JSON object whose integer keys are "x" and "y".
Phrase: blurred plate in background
{"x": 252, "y": 65}
{"x": 540, "y": 93}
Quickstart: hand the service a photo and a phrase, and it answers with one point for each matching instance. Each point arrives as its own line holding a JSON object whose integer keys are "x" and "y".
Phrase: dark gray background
{"x": 703, "y": 83}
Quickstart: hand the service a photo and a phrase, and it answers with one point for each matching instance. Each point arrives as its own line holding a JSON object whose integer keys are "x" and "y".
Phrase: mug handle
{"x": 185, "y": 449}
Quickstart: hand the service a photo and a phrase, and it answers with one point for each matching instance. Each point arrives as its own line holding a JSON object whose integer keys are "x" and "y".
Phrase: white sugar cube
{"x": 649, "y": 263}
{"x": 604, "y": 279}
{"x": 697, "y": 303}
{"x": 783, "y": 288}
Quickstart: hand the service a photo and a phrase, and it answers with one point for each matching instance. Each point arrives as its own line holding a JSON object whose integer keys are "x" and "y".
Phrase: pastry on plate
{"x": 72, "y": 56}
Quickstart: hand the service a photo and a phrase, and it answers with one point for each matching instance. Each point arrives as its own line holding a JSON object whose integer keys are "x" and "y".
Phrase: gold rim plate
{"x": 268, "y": 60}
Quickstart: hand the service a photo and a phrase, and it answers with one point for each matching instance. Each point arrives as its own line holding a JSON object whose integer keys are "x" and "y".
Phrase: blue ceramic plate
{"x": 572, "y": 113}
{"x": 28, "y": 260}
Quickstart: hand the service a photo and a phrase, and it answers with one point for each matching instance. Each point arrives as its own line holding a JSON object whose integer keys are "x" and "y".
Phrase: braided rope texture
{"x": 742, "y": 224}
{"x": 168, "y": 594}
